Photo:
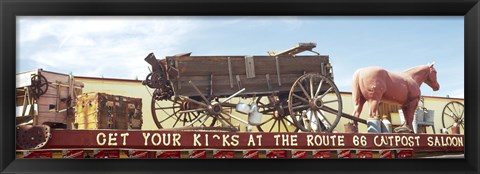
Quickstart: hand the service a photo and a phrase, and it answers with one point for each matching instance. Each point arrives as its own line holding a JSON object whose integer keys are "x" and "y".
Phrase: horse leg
{"x": 409, "y": 112}
{"x": 373, "y": 104}
{"x": 358, "y": 103}
{"x": 358, "y": 99}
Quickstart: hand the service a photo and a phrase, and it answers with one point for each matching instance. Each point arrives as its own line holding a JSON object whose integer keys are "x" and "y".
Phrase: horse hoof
{"x": 403, "y": 130}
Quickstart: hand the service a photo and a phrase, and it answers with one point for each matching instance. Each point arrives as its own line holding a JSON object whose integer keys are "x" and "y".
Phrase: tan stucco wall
{"x": 132, "y": 88}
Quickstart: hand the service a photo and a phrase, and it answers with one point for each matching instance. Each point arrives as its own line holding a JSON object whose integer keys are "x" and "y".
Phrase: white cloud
{"x": 459, "y": 93}
{"x": 94, "y": 46}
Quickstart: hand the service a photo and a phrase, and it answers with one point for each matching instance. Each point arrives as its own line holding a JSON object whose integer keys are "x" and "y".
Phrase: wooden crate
{"x": 105, "y": 111}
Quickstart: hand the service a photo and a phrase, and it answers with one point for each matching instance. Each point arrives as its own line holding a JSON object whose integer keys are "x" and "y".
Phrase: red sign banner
{"x": 186, "y": 140}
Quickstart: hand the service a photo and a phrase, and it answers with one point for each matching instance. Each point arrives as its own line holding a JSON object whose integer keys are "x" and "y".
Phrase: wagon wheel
{"x": 193, "y": 112}
{"x": 278, "y": 110}
{"x": 171, "y": 113}
{"x": 453, "y": 111}
{"x": 39, "y": 85}
{"x": 216, "y": 109}
{"x": 315, "y": 103}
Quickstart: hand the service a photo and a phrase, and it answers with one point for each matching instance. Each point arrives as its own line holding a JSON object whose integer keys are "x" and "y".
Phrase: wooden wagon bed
{"x": 224, "y": 75}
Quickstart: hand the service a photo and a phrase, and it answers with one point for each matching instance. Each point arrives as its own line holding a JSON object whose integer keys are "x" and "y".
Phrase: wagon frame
{"x": 197, "y": 91}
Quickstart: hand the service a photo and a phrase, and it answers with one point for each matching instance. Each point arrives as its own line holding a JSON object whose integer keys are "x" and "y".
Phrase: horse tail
{"x": 356, "y": 93}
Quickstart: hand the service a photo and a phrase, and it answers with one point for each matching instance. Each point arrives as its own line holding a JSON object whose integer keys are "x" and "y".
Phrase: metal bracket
{"x": 32, "y": 137}
{"x": 230, "y": 75}
{"x": 238, "y": 82}
{"x": 250, "y": 66}
{"x": 211, "y": 86}
{"x": 278, "y": 71}
{"x": 323, "y": 69}
{"x": 267, "y": 76}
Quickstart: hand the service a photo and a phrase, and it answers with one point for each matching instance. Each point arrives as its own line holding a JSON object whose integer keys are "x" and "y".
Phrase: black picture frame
{"x": 9, "y": 9}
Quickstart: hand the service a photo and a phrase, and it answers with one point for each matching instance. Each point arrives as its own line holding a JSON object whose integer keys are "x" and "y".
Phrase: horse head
{"x": 432, "y": 78}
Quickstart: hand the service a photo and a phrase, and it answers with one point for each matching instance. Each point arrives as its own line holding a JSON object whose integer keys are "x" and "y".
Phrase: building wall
{"x": 134, "y": 88}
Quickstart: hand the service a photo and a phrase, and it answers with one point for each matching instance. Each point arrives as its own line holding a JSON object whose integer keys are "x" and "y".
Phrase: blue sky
{"x": 116, "y": 46}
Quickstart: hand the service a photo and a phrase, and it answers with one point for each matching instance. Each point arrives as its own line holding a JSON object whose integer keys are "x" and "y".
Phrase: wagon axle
{"x": 215, "y": 108}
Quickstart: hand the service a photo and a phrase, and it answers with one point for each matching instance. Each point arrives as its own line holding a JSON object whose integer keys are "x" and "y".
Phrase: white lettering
{"x": 176, "y": 139}
{"x": 145, "y": 137}
{"x": 195, "y": 140}
{"x": 124, "y": 137}
{"x": 103, "y": 138}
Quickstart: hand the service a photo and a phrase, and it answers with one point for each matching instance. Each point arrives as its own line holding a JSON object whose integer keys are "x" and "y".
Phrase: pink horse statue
{"x": 374, "y": 84}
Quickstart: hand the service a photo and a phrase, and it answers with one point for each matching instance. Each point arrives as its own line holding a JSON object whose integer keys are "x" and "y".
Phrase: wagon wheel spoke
{"x": 301, "y": 98}
{"x": 184, "y": 122}
{"x": 175, "y": 101}
{"x": 454, "y": 109}
{"x": 451, "y": 116}
{"x": 304, "y": 91}
{"x": 233, "y": 95}
{"x": 319, "y": 124}
{"x": 299, "y": 107}
{"x": 193, "y": 110}
{"x": 178, "y": 119}
{"x": 235, "y": 117}
{"x": 227, "y": 122}
{"x": 454, "y": 113}
{"x": 268, "y": 111}
{"x": 326, "y": 120}
{"x": 199, "y": 92}
{"x": 290, "y": 122}
{"x": 284, "y": 125}
{"x": 273, "y": 125}
{"x": 196, "y": 120}
{"x": 190, "y": 117}
{"x": 270, "y": 119}
{"x": 173, "y": 107}
{"x": 163, "y": 110}
{"x": 311, "y": 87}
{"x": 461, "y": 115}
{"x": 449, "y": 127}
{"x": 170, "y": 116}
{"x": 229, "y": 105}
{"x": 331, "y": 101}
{"x": 194, "y": 101}
{"x": 319, "y": 87}
{"x": 326, "y": 92}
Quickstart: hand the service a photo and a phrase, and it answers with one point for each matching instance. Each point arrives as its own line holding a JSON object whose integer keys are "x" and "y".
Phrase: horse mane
{"x": 414, "y": 68}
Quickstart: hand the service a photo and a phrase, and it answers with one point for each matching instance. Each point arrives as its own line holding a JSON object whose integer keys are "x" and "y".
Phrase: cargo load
{"x": 106, "y": 111}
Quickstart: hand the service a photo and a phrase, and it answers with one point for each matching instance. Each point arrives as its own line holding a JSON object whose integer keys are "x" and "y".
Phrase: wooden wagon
{"x": 46, "y": 98}
{"x": 290, "y": 92}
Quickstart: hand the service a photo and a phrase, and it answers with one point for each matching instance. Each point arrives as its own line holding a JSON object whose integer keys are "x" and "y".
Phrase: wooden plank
{"x": 218, "y": 65}
{"x": 221, "y": 84}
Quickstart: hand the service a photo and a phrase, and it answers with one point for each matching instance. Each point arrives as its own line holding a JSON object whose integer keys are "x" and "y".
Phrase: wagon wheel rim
{"x": 279, "y": 118}
{"x": 315, "y": 103}
{"x": 39, "y": 85}
{"x": 453, "y": 111}
{"x": 178, "y": 112}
